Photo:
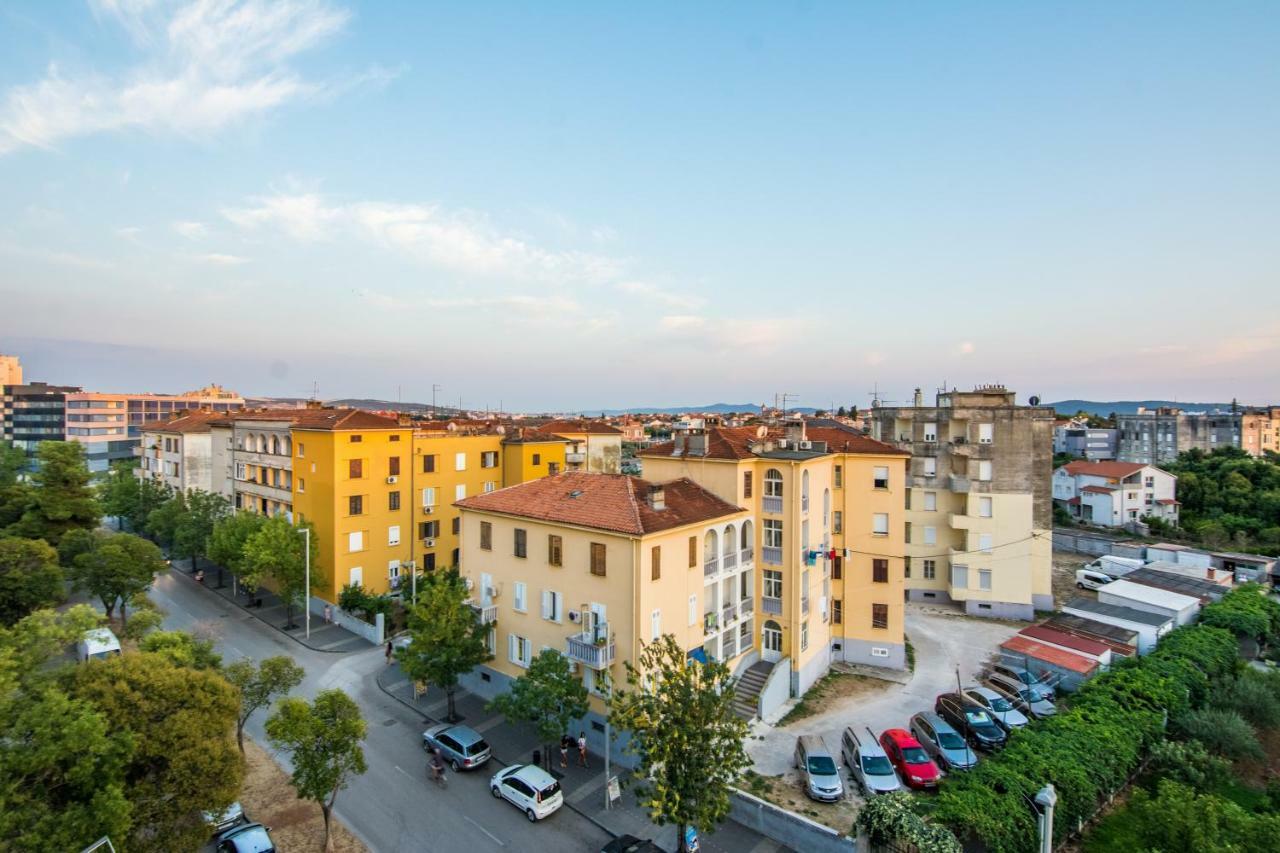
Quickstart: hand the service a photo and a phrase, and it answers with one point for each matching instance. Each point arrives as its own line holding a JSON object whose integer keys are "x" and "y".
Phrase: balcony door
{"x": 771, "y": 642}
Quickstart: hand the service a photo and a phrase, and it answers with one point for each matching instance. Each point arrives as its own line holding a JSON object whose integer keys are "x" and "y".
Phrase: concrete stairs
{"x": 747, "y": 692}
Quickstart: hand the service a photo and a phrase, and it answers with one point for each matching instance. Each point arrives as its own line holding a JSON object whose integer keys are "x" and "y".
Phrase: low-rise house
{"x": 1148, "y": 626}
{"x": 1077, "y": 438}
{"x": 1099, "y": 652}
{"x": 1182, "y": 609}
{"x": 1069, "y": 668}
{"x": 1123, "y": 642}
{"x": 1113, "y": 494}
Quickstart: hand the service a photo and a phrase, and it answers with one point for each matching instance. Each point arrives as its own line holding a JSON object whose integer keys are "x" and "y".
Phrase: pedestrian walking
{"x": 582, "y": 749}
{"x": 565, "y": 741}
{"x": 328, "y": 614}
{"x": 388, "y": 653}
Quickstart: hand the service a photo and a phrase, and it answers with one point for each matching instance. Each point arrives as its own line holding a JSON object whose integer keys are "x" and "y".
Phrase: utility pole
{"x": 434, "y": 388}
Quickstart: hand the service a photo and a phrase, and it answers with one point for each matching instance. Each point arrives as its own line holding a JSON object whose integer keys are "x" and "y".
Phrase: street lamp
{"x": 1047, "y": 798}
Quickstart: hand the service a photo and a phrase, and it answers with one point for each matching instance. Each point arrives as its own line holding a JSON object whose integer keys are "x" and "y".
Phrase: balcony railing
{"x": 772, "y": 556}
{"x": 959, "y": 484}
{"x": 728, "y": 613}
{"x": 575, "y": 458}
{"x": 729, "y": 645}
{"x": 771, "y": 505}
{"x": 710, "y": 567}
{"x": 730, "y": 560}
{"x": 771, "y": 605}
{"x": 594, "y": 650}
{"x": 746, "y": 606}
{"x": 746, "y": 556}
{"x": 486, "y": 614}
{"x": 709, "y": 624}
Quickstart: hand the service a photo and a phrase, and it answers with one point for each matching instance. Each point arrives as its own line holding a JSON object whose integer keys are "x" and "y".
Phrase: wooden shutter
{"x": 655, "y": 560}
{"x": 555, "y": 550}
{"x": 486, "y": 536}
{"x": 693, "y": 552}
{"x": 746, "y": 484}
{"x": 597, "y": 558}
{"x": 880, "y": 571}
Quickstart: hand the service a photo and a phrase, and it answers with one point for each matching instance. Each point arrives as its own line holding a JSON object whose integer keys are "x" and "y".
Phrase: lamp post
{"x": 1047, "y": 798}
{"x": 306, "y": 592}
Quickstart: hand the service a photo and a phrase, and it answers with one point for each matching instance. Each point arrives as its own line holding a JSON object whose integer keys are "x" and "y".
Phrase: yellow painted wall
{"x": 859, "y": 501}
{"x": 524, "y": 461}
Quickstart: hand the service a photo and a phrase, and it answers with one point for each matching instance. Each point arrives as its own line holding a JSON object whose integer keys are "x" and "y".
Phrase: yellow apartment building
{"x": 594, "y": 446}
{"x": 594, "y": 564}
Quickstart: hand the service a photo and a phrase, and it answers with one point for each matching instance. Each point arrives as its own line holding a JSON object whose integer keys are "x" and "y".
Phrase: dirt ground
{"x": 1065, "y": 565}
{"x": 787, "y": 791}
{"x": 296, "y": 825}
{"x": 832, "y": 689}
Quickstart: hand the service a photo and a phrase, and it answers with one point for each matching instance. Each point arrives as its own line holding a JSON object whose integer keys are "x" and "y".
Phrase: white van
{"x": 98, "y": 644}
{"x": 1114, "y": 567}
{"x": 1090, "y": 579}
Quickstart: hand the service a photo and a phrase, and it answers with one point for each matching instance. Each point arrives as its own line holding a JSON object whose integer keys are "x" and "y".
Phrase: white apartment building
{"x": 1113, "y": 494}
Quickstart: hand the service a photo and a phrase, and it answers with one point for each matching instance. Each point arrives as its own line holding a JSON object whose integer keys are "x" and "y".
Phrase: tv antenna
{"x": 876, "y": 400}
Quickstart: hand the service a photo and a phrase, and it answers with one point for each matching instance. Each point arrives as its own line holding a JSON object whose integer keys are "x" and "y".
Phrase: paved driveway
{"x": 943, "y": 640}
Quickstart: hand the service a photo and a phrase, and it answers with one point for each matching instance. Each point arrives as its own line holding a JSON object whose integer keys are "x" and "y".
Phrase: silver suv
{"x": 943, "y": 742}
{"x": 818, "y": 769}
{"x": 869, "y": 766}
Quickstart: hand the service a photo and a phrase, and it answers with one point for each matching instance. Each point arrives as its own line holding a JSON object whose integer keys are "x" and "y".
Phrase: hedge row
{"x": 1246, "y": 610}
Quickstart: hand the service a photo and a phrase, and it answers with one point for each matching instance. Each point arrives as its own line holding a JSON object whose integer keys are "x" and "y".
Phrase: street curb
{"x": 181, "y": 573}
{"x": 493, "y": 756}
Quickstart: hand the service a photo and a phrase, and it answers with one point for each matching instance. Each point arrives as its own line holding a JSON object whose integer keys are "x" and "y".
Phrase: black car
{"x": 630, "y": 844}
{"x": 971, "y": 720}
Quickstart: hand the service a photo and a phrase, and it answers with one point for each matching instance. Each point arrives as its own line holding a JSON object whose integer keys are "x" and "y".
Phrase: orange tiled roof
{"x": 613, "y": 502}
{"x": 1100, "y": 490}
{"x": 579, "y": 426}
{"x": 1119, "y": 470}
{"x": 320, "y": 419}
{"x": 736, "y": 442}
{"x": 1020, "y": 645}
{"x": 196, "y": 421}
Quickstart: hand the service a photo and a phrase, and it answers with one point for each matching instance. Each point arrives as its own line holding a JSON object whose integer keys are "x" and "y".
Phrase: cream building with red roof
{"x": 1113, "y": 494}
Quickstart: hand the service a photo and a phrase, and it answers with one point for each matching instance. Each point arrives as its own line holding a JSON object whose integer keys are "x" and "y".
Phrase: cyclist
{"x": 437, "y": 766}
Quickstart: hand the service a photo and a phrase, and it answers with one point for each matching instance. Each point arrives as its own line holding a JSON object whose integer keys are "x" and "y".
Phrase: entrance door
{"x": 771, "y": 642}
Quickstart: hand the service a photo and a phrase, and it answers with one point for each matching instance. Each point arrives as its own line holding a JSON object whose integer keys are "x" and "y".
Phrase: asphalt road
{"x": 392, "y": 807}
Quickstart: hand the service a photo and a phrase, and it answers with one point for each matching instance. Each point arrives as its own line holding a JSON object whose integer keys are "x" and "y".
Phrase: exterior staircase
{"x": 747, "y": 692}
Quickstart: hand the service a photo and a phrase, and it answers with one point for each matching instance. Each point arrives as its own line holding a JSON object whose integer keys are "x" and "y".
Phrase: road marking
{"x": 402, "y": 770}
{"x": 496, "y": 839}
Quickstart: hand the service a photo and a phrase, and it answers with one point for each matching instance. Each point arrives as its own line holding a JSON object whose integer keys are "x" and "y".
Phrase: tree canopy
{"x": 447, "y": 640}
{"x": 259, "y": 683}
{"x": 195, "y": 527}
{"x": 1229, "y": 498}
{"x": 278, "y": 551}
{"x": 61, "y": 498}
{"x": 30, "y": 577}
{"x": 549, "y": 695}
{"x": 228, "y": 539}
{"x": 120, "y": 567}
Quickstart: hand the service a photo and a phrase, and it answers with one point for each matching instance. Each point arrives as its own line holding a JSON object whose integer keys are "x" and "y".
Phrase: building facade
{"x": 979, "y": 504}
{"x": 1260, "y": 431}
{"x": 179, "y": 453}
{"x": 1113, "y": 494}
{"x": 10, "y": 370}
{"x": 1155, "y": 436}
{"x": 1085, "y": 442}
{"x": 32, "y": 413}
{"x": 594, "y": 446}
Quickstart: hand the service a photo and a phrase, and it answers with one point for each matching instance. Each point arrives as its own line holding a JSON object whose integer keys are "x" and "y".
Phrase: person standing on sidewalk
{"x": 565, "y": 741}
{"x": 388, "y": 653}
{"x": 582, "y": 750}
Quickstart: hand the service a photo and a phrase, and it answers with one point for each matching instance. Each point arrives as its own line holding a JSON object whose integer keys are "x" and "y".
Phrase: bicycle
{"x": 437, "y": 774}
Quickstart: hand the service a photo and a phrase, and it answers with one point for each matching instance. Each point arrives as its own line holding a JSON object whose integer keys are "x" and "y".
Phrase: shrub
{"x": 1246, "y": 611}
{"x": 1190, "y": 763}
{"x": 893, "y": 817}
{"x": 1223, "y": 732}
{"x": 1253, "y": 695}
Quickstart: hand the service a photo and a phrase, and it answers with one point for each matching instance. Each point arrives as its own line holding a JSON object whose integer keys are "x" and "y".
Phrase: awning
{"x": 699, "y": 654}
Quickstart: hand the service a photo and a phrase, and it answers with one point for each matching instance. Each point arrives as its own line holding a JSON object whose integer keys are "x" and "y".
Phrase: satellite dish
{"x": 1035, "y": 401}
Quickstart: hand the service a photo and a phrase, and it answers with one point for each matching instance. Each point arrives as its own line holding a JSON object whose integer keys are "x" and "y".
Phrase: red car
{"x": 908, "y": 756}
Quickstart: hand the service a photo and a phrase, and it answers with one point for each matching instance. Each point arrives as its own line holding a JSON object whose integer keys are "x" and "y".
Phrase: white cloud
{"x": 219, "y": 259}
{"x": 191, "y": 230}
{"x": 683, "y": 322}
{"x": 662, "y": 295}
{"x": 204, "y": 65}
{"x": 304, "y": 217}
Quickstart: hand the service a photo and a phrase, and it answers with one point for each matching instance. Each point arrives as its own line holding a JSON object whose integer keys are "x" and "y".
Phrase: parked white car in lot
{"x": 528, "y": 788}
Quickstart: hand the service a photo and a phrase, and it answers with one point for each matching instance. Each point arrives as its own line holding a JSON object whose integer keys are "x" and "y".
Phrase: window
{"x": 489, "y": 486}
{"x": 772, "y": 533}
{"x": 356, "y": 439}
{"x": 518, "y": 602}
{"x": 302, "y": 449}
{"x": 879, "y": 616}
{"x": 429, "y": 496}
{"x": 552, "y": 605}
{"x": 773, "y": 483}
{"x": 489, "y": 459}
{"x": 960, "y": 577}
{"x": 241, "y": 471}
{"x": 906, "y": 567}
{"x": 837, "y": 568}
{"x": 930, "y": 569}
{"x": 429, "y": 562}
{"x": 521, "y": 543}
{"x": 746, "y": 484}
{"x": 393, "y": 466}
{"x": 395, "y": 438}
{"x": 984, "y": 579}
{"x": 984, "y": 507}
{"x": 804, "y": 635}
{"x": 355, "y": 505}
{"x": 772, "y": 584}
{"x": 984, "y": 542}
{"x": 693, "y": 609}
{"x": 553, "y": 468}
{"x": 355, "y": 469}
{"x": 597, "y": 558}
{"x": 555, "y": 550}
{"x": 693, "y": 551}
{"x": 429, "y": 464}
{"x": 837, "y": 611}
{"x": 931, "y": 432}
{"x": 518, "y": 650}
{"x": 879, "y": 524}
{"x": 355, "y": 541}
{"x": 931, "y": 536}
{"x": 459, "y": 461}
{"x": 393, "y": 501}
{"x": 879, "y": 571}
{"x": 459, "y": 491}
{"x": 393, "y": 534}
{"x": 302, "y": 482}
{"x": 431, "y": 529}
{"x": 456, "y": 525}
{"x": 930, "y": 466}
{"x": 655, "y": 625}
{"x": 655, "y": 563}
{"x": 486, "y": 536}
{"x": 537, "y": 459}
{"x": 930, "y": 501}
{"x": 880, "y": 477}
{"x": 837, "y": 521}
{"x": 839, "y": 476}
{"x": 984, "y": 433}
{"x": 984, "y": 469}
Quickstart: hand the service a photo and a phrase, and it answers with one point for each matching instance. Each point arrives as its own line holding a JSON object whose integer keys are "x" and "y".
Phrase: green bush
{"x": 1253, "y": 695}
{"x": 1189, "y": 762}
{"x": 1246, "y": 611}
{"x": 1223, "y": 732}
{"x": 893, "y": 817}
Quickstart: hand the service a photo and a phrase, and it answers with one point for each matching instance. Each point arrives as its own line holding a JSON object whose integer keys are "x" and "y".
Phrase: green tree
{"x": 182, "y": 649}
{"x": 195, "y": 527}
{"x": 118, "y": 492}
{"x": 15, "y": 499}
{"x": 30, "y": 578}
{"x": 684, "y": 733}
{"x": 163, "y": 521}
{"x": 278, "y": 551}
{"x": 447, "y": 640}
{"x": 77, "y": 542}
{"x": 61, "y": 498}
{"x": 258, "y": 684}
{"x": 122, "y": 566}
{"x": 1223, "y": 732}
{"x": 549, "y": 695}
{"x": 180, "y": 722}
{"x": 227, "y": 543}
{"x": 12, "y": 461}
{"x": 324, "y": 739}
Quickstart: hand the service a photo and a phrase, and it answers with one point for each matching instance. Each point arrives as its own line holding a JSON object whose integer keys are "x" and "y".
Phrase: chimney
{"x": 1211, "y": 574}
{"x": 315, "y": 404}
{"x": 404, "y": 419}
{"x": 917, "y": 399}
{"x": 697, "y": 443}
{"x": 657, "y": 499}
{"x": 677, "y": 448}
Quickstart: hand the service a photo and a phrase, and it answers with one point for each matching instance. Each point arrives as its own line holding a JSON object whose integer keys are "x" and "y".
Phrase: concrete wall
{"x": 1000, "y": 610}
{"x": 860, "y": 651}
{"x": 375, "y": 633}
{"x": 794, "y": 831}
{"x": 811, "y": 670}
{"x": 776, "y": 690}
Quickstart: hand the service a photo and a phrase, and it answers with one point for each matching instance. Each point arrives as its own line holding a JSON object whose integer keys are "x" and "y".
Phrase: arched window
{"x": 262, "y": 443}
{"x": 730, "y": 553}
{"x": 286, "y": 446}
{"x": 748, "y": 541}
{"x": 773, "y": 483}
{"x": 275, "y": 444}
{"x": 711, "y": 548}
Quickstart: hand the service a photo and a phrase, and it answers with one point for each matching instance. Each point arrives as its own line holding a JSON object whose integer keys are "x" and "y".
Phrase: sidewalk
{"x": 584, "y": 789}
{"x": 324, "y": 637}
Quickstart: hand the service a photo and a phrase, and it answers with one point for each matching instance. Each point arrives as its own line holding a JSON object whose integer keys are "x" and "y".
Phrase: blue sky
{"x": 581, "y": 205}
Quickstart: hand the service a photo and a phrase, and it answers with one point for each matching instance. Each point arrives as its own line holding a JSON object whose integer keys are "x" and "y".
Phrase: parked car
{"x": 971, "y": 720}
{"x": 947, "y": 746}
{"x": 1089, "y": 579}
{"x": 869, "y": 768}
{"x": 461, "y": 746}
{"x": 528, "y": 788}
{"x": 909, "y": 757}
{"x": 246, "y": 838}
{"x": 1026, "y": 699}
{"x": 1041, "y": 684}
{"x": 818, "y": 769}
{"x": 97, "y": 644}
{"x": 233, "y": 816}
{"x": 998, "y": 707}
{"x": 630, "y": 844}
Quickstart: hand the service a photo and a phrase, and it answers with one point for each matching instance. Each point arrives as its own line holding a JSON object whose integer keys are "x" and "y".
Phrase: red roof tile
{"x": 1061, "y": 638}
{"x": 613, "y": 502}
{"x": 1020, "y": 645}
{"x": 319, "y": 419}
{"x": 196, "y": 421}
{"x": 736, "y": 442}
{"x": 1167, "y": 501}
{"x": 1100, "y": 490}
{"x": 1118, "y": 470}
{"x": 582, "y": 426}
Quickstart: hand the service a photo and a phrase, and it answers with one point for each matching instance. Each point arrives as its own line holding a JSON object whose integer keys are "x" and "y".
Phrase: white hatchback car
{"x": 528, "y": 788}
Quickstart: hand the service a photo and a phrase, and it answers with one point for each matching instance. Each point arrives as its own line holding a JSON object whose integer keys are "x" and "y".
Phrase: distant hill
{"x": 714, "y": 408}
{"x": 1128, "y": 407}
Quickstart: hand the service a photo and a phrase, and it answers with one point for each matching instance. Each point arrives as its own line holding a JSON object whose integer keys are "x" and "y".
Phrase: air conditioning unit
{"x": 427, "y": 510}
{"x": 392, "y": 480}
{"x": 492, "y": 592}
{"x": 428, "y": 543}
{"x": 575, "y": 615}
{"x": 806, "y": 445}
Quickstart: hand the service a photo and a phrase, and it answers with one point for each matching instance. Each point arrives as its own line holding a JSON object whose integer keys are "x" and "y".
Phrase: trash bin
{"x": 537, "y": 758}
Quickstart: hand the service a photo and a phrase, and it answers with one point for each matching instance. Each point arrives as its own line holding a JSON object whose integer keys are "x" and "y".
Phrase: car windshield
{"x": 977, "y": 718}
{"x": 476, "y": 748}
{"x": 950, "y": 740}
{"x": 1001, "y": 704}
{"x": 914, "y": 755}
{"x": 822, "y": 765}
{"x": 548, "y": 792}
{"x": 876, "y": 765}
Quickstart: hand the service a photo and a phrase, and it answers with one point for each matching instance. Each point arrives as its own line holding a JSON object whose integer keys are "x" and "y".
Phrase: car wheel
{"x": 497, "y": 795}
{"x": 532, "y": 815}
{"x": 457, "y": 768}
{"x": 1079, "y": 585}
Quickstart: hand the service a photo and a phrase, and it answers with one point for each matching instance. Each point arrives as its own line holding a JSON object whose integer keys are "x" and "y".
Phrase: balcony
{"x": 486, "y": 614}
{"x": 592, "y": 649}
{"x": 709, "y": 624}
{"x": 771, "y": 505}
{"x": 728, "y": 613}
{"x": 958, "y": 484}
{"x": 730, "y": 560}
{"x": 575, "y": 458}
{"x": 772, "y": 606}
{"x": 772, "y": 556}
{"x": 746, "y": 557}
{"x": 729, "y": 645}
{"x": 710, "y": 567}
{"x": 746, "y": 606}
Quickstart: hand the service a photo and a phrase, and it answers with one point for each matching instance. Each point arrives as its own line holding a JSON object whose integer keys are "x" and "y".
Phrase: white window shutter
{"x": 546, "y": 604}
{"x": 511, "y": 647}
